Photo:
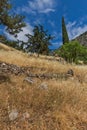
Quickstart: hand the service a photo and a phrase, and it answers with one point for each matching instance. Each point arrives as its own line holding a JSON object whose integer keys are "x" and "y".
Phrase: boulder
{"x": 29, "y": 80}
{"x": 26, "y": 115}
{"x": 13, "y": 115}
{"x": 43, "y": 86}
{"x": 70, "y": 72}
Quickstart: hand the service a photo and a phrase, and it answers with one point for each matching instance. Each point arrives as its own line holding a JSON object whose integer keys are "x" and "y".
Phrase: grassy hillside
{"x": 41, "y": 103}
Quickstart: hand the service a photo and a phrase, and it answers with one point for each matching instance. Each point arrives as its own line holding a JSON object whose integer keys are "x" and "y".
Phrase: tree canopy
{"x": 40, "y": 40}
{"x": 13, "y": 22}
{"x": 73, "y": 52}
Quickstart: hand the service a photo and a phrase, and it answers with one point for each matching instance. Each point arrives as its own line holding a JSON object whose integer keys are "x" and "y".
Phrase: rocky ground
{"x": 41, "y": 94}
{"x": 28, "y": 102}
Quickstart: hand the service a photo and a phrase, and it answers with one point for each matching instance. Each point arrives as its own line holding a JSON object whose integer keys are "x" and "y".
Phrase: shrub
{"x": 73, "y": 52}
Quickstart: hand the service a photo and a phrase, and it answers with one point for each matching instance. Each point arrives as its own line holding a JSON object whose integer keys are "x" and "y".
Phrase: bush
{"x": 73, "y": 52}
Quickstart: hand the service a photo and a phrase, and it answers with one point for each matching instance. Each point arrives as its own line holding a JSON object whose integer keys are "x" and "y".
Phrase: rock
{"x": 30, "y": 53}
{"x": 70, "y": 72}
{"x": 3, "y": 64}
{"x": 13, "y": 115}
{"x": 10, "y": 68}
{"x": 26, "y": 115}
{"x": 43, "y": 86}
{"x": 29, "y": 80}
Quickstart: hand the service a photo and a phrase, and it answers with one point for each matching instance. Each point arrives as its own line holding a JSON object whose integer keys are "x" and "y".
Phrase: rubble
{"x": 6, "y": 68}
{"x": 10, "y": 69}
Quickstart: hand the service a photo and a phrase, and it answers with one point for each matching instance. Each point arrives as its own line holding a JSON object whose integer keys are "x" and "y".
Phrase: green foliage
{"x": 13, "y": 44}
{"x": 65, "y": 37}
{"x": 4, "y": 40}
{"x": 73, "y": 52}
{"x": 39, "y": 42}
{"x": 15, "y": 25}
{"x": 13, "y": 22}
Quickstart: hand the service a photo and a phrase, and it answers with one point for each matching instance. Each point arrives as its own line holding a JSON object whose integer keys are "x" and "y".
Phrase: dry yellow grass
{"x": 6, "y": 48}
{"x": 63, "y": 106}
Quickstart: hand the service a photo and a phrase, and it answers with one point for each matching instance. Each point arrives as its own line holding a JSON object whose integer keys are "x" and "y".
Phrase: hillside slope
{"x": 38, "y": 93}
{"x": 82, "y": 39}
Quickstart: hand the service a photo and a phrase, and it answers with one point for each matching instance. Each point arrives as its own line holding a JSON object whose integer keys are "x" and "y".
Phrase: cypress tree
{"x": 65, "y": 37}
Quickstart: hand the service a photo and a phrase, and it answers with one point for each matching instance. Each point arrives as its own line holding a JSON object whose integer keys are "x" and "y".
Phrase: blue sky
{"x": 49, "y": 13}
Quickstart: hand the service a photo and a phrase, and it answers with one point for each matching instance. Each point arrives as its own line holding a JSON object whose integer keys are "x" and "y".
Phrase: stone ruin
{"x": 10, "y": 68}
{"x": 6, "y": 69}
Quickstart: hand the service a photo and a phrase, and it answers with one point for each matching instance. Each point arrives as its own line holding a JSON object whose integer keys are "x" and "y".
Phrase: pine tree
{"x": 40, "y": 40}
{"x": 13, "y": 23}
{"x": 65, "y": 37}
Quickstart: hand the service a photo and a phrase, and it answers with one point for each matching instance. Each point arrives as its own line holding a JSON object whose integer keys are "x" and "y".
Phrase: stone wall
{"x": 7, "y": 69}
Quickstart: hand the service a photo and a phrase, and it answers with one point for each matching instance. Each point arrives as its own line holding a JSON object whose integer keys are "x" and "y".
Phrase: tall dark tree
{"x": 65, "y": 37}
{"x": 13, "y": 22}
{"x": 39, "y": 42}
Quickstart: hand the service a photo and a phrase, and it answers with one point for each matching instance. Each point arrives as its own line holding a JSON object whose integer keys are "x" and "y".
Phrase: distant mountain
{"x": 82, "y": 39}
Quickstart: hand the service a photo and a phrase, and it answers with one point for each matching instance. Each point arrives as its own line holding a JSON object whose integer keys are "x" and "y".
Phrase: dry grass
{"x": 6, "y": 48}
{"x": 63, "y": 106}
